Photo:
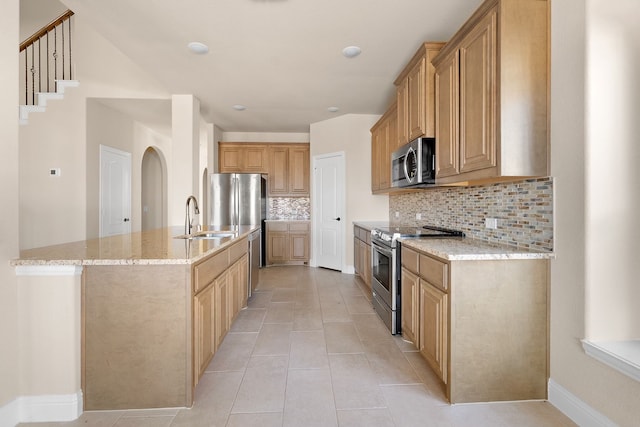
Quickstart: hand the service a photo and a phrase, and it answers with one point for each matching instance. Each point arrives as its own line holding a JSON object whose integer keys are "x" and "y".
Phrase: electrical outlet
{"x": 418, "y": 216}
{"x": 491, "y": 223}
{"x": 397, "y": 214}
{"x": 55, "y": 172}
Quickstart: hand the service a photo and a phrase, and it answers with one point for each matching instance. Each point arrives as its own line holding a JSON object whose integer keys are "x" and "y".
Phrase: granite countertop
{"x": 468, "y": 249}
{"x": 146, "y": 247}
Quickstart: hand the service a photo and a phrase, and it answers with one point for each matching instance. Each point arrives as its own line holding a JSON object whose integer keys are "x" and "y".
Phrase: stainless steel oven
{"x": 384, "y": 274}
{"x": 385, "y": 267}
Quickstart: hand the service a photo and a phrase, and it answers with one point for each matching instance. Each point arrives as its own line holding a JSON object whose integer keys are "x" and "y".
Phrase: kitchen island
{"x": 152, "y": 310}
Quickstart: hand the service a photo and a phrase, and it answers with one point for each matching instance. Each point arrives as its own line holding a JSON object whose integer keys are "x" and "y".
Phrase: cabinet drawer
{"x": 410, "y": 259}
{"x": 208, "y": 270}
{"x": 237, "y": 250}
{"x": 299, "y": 227}
{"x": 278, "y": 226}
{"x": 434, "y": 272}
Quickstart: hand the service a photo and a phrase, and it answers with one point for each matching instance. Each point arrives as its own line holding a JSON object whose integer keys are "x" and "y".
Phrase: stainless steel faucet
{"x": 187, "y": 219}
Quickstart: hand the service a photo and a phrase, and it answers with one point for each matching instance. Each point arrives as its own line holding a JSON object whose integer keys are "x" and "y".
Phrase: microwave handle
{"x": 406, "y": 171}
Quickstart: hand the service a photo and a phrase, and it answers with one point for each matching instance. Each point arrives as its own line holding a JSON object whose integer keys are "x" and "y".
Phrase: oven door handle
{"x": 381, "y": 249}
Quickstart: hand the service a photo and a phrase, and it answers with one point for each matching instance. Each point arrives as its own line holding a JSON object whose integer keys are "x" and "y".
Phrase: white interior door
{"x": 329, "y": 215}
{"x": 115, "y": 191}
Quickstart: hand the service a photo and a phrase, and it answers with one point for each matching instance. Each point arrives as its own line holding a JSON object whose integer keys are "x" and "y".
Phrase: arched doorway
{"x": 154, "y": 190}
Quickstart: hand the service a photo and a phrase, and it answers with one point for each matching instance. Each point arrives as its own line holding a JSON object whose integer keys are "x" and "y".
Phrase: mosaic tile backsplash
{"x": 524, "y": 211}
{"x": 288, "y": 208}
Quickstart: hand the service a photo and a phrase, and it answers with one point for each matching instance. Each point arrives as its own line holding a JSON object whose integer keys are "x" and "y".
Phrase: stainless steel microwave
{"x": 414, "y": 164}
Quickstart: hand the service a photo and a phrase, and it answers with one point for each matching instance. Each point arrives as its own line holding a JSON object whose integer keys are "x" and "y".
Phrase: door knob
{"x": 126, "y": 220}
{"x": 337, "y": 219}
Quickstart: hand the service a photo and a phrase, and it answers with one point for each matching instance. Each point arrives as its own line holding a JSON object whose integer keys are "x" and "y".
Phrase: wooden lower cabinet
{"x": 362, "y": 254}
{"x": 288, "y": 242}
{"x": 203, "y": 329}
{"x": 410, "y": 315}
{"x": 433, "y": 326}
{"x": 481, "y": 325}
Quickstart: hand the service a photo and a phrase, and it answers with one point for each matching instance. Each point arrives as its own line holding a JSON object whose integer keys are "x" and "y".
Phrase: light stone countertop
{"x": 370, "y": 225}
{"x": 140, "y": 248}
{"x": 468, "y": 249}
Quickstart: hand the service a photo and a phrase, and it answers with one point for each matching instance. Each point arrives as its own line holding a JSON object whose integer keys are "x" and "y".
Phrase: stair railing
{"x": 47, "y": 58}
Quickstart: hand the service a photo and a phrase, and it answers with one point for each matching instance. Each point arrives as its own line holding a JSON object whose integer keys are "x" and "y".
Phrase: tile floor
{"x": 309, "y": 351}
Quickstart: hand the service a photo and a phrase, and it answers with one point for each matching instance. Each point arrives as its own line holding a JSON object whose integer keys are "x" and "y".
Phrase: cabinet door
{"x": 433, "y": 338}
{"x": 367, "y": 265}
{"x": 221, "y": 308}
{"x": 277, "y": 247}
{"x": 299, "y": 170}
{"x": 299, "y": 246}
{"x": 384, "y": 168}
{"x": 478, "y": 96}
{"x": 357, "y": 263}
{"x": 255, "y": 159}
{"x": 416, "y": 114}
{"x": 278, "y": 170}
{"x": 235, "y": 293}
{"x": 244, "y": 281}
{"x": 229, "y": 159}
{"x": 447, "y": 124}
{"x": 375, "y": 159}
{"x": 402, "y": 107}
{"x": 409, "y": 315}
{"x": 203, "y": 330}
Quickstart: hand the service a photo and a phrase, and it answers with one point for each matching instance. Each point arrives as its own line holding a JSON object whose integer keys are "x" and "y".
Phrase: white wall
{"x": 54, "y": 210}
{"x": 35, "y": 14}
{"x": 351, "y": 133}
{"x": 9, "y": 19}
{"x": 602, "y": 388}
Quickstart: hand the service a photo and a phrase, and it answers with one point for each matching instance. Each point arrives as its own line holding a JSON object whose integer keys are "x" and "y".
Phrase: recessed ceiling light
{"x": 239, "y": 107}
{"x": 198, "y": 48}
{"x": 351, "y": 51}
{"x": 333, "y": 109}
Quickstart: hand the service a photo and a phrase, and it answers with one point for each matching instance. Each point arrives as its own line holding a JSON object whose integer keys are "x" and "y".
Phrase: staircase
{"x": 47, "y": 64}
{"x": 43, "y": 97}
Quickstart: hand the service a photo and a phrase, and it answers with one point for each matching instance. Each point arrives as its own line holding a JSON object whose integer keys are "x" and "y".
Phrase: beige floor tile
{"x": 156, "y": 421}
{"x": 309, "y": 399}
{"x": 334, "y": 309}
{"x": 284, "y": 295}
{"x": 434, "y": 385}
{"x": 263, "y": 385}
{"x": 273, "y": 339}
{"x": 91, "y": 418}
{"x": 355, "y": 386}
{"x": 279, "y": 312}
{"x": 260, "y": 299}
{"x": 342, "y": 337}
{"x": 308, "y": 350}
{"x": 358, "y": 304}
{"x": 411, "y": 405}
{"x": 521, "y": 414}
{"x": 249, "y": 320}
{"x": 389, "y": 364}
{"x": 265, "y": 419}
{"x": 214, "y": 397}
{"x": 366, "y": 418}
{"x": 371, "y": 328}
{"x": 234, "y": 352}
{"x": 403, "y": 344}
{"x": 307, "y": 319}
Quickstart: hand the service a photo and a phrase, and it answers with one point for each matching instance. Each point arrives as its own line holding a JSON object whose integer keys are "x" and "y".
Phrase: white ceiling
{"x": 280, "y": 58}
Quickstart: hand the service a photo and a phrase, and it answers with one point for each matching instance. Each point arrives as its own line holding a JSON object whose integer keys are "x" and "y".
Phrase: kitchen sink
{"x": 208, "y": 234}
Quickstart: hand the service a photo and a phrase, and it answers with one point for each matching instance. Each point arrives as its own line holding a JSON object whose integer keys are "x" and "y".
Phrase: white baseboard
{"x": 47, "y": 408}
{"x": 574, "y": 408}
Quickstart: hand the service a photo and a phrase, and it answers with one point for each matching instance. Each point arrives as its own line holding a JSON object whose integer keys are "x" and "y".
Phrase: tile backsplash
{"x": 523, "y": 209}
{"x": 288, "y": 208}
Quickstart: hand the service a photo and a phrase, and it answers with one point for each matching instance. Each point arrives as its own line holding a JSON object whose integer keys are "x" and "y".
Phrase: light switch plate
{"x": 418, "y": 216}
{"x": 491, "y": 223}
{"x": 397, "y": 214}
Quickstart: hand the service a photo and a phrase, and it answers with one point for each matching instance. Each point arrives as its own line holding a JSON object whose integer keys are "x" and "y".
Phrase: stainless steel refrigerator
{"x": 238, "y": 199}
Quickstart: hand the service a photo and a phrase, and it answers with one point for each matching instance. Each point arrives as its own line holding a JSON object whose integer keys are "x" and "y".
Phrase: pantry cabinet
{"x": 491, "y": 92}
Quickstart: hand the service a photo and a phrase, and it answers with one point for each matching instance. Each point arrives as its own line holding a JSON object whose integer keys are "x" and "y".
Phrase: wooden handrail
{"x": 44, "y": 30}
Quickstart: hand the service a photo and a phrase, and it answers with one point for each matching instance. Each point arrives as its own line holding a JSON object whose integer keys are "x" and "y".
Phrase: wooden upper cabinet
{"x": 496, "y": 69}
{"x": 383, "y": 138}
{"x": 278, "y": 170}
{"x": 242, "y": 158}
{"x": 415, "y": 95}
{"x": 299, "y": 170}
{"x": 289, "y": 170}
{"x": 478, "y": 96}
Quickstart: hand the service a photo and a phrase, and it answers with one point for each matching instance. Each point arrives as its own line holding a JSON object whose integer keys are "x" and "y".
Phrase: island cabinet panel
{"x": 203, "y": 330}
{"x": 434, "y": 341}
{"x": 136, "y": 323}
